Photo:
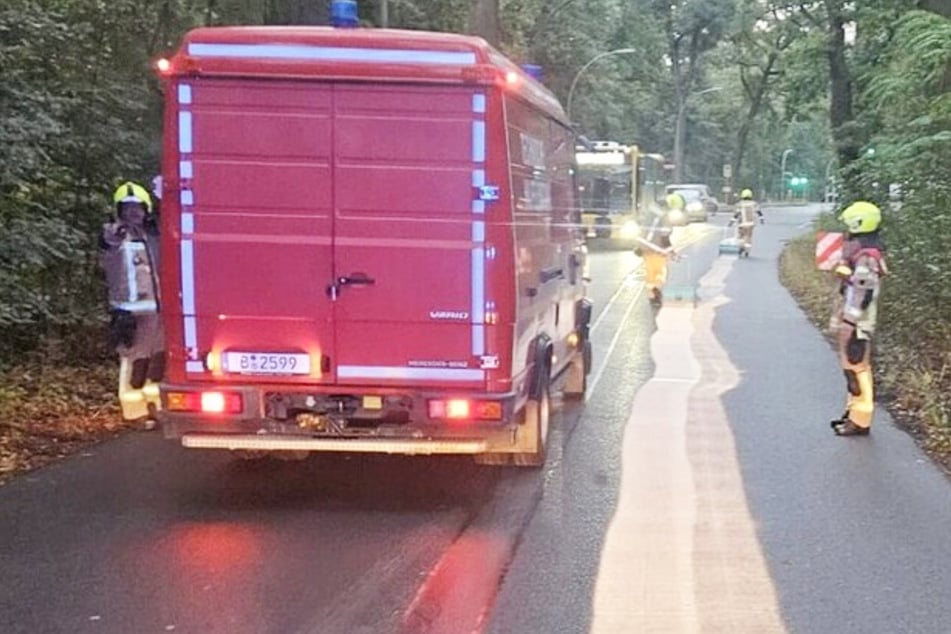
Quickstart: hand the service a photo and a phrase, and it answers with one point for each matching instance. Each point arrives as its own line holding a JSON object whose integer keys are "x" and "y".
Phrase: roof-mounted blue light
{"x": 533, "y": 70}
{"x": 343, "y": 14}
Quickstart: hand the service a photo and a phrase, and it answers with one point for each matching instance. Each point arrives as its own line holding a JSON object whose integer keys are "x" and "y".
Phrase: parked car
{"x": 710, "y": 204}
{"x": 694, "y": 205}
{"x": 373, "y": 246}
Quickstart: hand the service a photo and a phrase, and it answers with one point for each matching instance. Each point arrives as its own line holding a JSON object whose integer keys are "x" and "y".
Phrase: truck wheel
{"x": 576, "y": 381}
{"x": 537, "y": 422}
{"x": 602, "y": 228}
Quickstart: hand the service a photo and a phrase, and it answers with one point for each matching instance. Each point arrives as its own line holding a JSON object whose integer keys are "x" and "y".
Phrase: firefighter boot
{"x": 845, "y": 427}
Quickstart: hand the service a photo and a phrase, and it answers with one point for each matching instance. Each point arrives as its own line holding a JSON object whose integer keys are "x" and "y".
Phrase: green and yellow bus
{"x": 618, "y": 185}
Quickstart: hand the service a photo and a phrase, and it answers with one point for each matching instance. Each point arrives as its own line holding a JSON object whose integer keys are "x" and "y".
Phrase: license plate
{"x": 266, "y": 363}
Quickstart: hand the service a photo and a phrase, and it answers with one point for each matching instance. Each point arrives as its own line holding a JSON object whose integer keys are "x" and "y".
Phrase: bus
{"x": 617, "y": 187}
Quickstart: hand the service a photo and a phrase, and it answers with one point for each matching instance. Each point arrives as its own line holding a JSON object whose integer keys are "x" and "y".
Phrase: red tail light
{"x": 464, "y": 409}
{"x": 205, "y": 402}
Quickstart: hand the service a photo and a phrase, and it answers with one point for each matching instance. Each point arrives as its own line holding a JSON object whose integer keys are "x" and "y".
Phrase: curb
{"x": 461, "y": 588}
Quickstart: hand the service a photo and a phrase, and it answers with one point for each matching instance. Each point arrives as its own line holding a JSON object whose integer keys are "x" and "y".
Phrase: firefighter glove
{"x": 122, "y": 327}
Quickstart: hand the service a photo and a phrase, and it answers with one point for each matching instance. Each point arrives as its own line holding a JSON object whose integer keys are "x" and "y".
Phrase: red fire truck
{"x": 370, "y": 244}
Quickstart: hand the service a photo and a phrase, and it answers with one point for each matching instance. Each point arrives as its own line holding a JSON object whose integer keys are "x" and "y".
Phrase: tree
{"x": 692, "y": 28}
{"x": 941, "y": 7}
{"x": 761, "y": 37}
{"x": 484, "y": 20}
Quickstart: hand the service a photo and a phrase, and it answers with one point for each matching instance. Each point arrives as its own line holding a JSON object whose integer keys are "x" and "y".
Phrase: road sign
{"x": 828, "y": 249}
{"x": 727, "y": 170}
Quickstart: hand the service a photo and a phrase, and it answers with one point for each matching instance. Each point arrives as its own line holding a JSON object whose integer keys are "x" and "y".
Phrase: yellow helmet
{"x": 861, "y": 217}
{"x": 129, "y": 192}
{"x": 746, "y": 194}
{"x": 675, "y": 201}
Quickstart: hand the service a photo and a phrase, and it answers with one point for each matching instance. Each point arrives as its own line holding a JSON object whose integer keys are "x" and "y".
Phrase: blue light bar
{"x": 343, "y": 14}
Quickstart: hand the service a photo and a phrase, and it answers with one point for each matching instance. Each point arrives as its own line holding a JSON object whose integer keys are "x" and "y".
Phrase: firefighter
{"x": 657, "y": 247}
{"x": 744, "y": 217}
{"x": 129, "y": 251}
{"x": 860, "y": 273}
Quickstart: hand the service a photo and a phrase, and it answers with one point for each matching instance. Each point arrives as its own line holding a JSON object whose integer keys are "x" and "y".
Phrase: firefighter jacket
{"x": 130, "y": 260}
{"x": 860, "y": 276}
{"x": 746, "y": 213}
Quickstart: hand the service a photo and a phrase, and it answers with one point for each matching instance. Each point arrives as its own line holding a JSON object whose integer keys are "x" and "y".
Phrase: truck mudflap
{"x": 405, "y": 446}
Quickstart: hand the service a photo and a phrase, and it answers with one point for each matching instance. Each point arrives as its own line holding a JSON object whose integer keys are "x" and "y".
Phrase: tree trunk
{"x": 941, "y": 7}
{"x": 311, "y": 12}
{"x": 484, "y": 20}
{"x": 680, "y": 133}
{"x": 840, "y": 88}
{"x": 210, "y": 12}
{"x": 756, "y": 102}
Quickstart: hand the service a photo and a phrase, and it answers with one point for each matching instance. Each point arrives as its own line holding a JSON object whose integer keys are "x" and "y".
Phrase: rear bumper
{"x": 402, "y": 427}
{"x": 405, "y": 446}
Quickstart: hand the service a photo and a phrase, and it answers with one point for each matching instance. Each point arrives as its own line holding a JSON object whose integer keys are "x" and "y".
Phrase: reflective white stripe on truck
{"x": 331, "y": 53}
{"x": 478, "y": 180}
{"x": 188, "y": 277}
{"x": 187, "y": 245}
{"x": 399, "y": 372}
{"x": 478, "y": 141}
{"x": 184, "y": 132}
{"x": 478, "y": 227}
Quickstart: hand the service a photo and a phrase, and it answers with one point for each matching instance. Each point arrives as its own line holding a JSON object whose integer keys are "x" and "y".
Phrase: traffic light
{"x": 799, "y": 181}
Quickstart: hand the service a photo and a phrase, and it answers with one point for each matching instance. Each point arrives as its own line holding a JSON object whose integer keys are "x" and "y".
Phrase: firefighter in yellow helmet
{"x": 745, "y": 215}
{"x": 860, "y": 273}
{"x": 130, "y": 259}
{"x": 656, "y": 247}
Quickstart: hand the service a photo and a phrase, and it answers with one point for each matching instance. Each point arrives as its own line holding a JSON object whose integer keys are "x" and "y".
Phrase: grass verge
{"x": 912, "y": 374}
{"x": 47, "y": 413}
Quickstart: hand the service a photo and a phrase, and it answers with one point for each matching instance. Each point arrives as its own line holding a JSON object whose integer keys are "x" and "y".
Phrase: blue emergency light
{"x": 533, "y": 70}
{"x": 343, "y": 14}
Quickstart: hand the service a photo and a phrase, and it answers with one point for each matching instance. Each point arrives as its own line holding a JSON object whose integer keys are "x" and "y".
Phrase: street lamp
{"x": 679, "y": 131}
{"x": 829, "y": 189}
{"x": 574, "y": 82}
{"x": 782, "y": 174}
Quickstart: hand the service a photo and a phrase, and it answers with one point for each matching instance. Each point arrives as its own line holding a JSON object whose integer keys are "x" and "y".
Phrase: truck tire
{"x": 602, "y": 228}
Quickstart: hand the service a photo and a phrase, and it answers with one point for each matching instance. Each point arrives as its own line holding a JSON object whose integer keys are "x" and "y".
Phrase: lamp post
{"x": 679, "y": 132}
{"x": 574, "y": 82}
{"x": 782, "y": 174}
{"x": 828, "y": 197}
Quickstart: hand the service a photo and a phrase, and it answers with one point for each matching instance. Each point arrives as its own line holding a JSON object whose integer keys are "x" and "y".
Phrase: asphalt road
{"x": 138, "y": 535}
{"x": 769, "y": 518}
{"x": 743, "y": 484}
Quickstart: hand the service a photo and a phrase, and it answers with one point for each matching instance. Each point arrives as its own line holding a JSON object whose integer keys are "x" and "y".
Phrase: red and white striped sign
{"x": 828, "y": 249}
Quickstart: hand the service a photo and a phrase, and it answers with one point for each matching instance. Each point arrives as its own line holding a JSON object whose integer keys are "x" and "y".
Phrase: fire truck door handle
{"x": 356, "y": 279}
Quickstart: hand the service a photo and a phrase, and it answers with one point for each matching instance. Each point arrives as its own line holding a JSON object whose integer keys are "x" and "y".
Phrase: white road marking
{"x": 607, "y": 307}
{"x": 617, "y": 335}
{"x": 630, "y": 277}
